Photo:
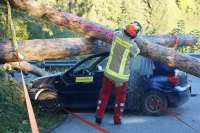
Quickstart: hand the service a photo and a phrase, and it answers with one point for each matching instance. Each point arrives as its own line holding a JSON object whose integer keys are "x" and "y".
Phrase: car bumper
{"x": 179, "y": 96}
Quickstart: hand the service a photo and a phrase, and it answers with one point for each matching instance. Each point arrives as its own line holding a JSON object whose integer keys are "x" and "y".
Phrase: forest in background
{"x": 156, "y": 16}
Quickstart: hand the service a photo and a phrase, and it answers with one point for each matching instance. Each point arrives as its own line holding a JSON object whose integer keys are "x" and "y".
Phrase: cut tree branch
{"x": 25, "y": 66}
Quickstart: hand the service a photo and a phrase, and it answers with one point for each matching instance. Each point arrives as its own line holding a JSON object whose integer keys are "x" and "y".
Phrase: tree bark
{"x": 169, "y": 57}
{"x": 62, "y": 47}
{"x": 25, "y": 66}
{"x": 85, "y": 26}
{"x": 51, "y": 48}
{"x": 95, "y": 30}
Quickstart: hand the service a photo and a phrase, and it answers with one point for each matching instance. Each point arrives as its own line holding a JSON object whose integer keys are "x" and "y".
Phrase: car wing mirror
{"x": 100, "y": 68}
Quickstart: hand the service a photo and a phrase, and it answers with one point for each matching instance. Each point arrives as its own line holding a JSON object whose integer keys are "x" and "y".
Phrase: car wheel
{"x": 150, "y": 108}
{"x": 48, "y": 100}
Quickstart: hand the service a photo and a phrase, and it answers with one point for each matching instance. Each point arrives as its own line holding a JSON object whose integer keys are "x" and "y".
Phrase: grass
{"x": 13, "y": 111}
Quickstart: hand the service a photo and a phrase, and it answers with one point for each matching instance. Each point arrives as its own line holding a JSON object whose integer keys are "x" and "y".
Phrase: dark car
{"x": 80, "y": 85}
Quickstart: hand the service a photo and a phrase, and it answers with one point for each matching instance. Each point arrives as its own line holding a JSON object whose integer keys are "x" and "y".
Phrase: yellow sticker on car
{"x": 84, "y": 79}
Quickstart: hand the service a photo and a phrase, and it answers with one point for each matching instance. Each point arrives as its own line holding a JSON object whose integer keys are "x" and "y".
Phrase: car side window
{"x": 136, "y": 63}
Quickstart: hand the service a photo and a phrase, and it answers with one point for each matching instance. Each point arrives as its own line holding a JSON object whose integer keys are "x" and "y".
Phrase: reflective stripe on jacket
{"x": 122, "y": 49}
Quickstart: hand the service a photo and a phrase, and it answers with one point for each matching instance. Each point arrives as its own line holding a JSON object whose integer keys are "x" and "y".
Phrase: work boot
{"x": 118, "y": 122}
{"x": 98, "y": 120}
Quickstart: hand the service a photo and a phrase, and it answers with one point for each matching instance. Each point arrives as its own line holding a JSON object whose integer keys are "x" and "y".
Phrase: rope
{"x": 176, "y": 41}
{"x": 12, "y": 30}
{"x": 86, "y": 121}
{"x": 32, "y": 119}
{"x": 163, "y": 108}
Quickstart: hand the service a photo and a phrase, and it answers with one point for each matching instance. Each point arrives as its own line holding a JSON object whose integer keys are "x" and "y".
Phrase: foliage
{"x": 13, "y": 112}
{"x": 3, "y": 23}
{"x": 197, "y": 34}
{"x": 181, "y": 30}
{"x": 156, "y": 15}
{"x": 27, "y": 27}
{"x": 152, "y": 14}
{"x": 187, "y": 5}
{"x": 121, "y": 19}
{"x": 197, "y": 7}
{"x": 181, "y": 27}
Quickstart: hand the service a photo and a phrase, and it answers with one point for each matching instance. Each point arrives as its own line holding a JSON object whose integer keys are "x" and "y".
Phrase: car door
{"x": 84, "y": 87}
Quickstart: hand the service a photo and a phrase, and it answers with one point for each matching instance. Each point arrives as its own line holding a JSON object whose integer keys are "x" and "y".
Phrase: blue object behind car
{"x": 80, "y": 85}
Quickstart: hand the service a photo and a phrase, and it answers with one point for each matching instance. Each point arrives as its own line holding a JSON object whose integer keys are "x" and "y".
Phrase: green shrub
{"x": 13, "y": 111}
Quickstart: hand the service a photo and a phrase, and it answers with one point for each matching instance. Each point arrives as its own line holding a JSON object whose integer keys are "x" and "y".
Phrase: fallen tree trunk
{"x": 62, "y": 47}
{"x": 51, "y": 48}
{"x": 148, "y": 49}
{"x": 171, "y": 58}
{"x": 87, "y": 27}
{"x": 25, "y": 66}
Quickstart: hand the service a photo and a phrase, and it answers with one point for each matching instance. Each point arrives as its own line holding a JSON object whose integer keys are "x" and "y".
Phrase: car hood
{"x": 48, "y": 76}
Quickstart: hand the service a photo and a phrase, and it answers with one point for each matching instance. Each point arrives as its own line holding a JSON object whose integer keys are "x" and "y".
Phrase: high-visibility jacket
{"x": 122, "y": 49}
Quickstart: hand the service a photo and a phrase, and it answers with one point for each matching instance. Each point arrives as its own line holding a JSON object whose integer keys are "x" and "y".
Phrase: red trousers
{"x": 104, "y": 95}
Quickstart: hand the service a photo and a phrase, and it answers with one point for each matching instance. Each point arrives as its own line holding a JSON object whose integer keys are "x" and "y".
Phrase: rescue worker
{"x": 117, "y": 70}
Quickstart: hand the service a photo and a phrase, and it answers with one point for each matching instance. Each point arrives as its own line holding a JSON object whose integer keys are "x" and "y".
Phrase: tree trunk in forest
{"x": 25, "y": 66}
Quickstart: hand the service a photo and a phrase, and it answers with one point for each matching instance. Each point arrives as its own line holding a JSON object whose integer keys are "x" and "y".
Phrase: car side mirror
{"x": 100, "y": 68}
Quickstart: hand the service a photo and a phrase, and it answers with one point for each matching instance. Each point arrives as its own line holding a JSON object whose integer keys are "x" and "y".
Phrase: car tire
{"x": 49, "y": 101}
{"x": 150, "y": 108}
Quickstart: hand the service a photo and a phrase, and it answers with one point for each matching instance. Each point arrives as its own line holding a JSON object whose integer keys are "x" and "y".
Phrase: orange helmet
{"x": 132, "y": 29}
